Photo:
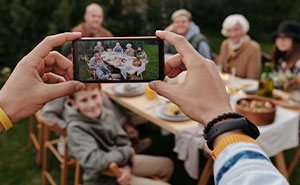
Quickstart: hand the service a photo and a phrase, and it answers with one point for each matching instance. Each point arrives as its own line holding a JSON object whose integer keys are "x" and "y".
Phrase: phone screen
{"x": 118, "y": 59}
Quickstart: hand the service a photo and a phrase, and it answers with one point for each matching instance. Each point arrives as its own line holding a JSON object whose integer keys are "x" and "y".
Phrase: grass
{"x": 18, "y": 164}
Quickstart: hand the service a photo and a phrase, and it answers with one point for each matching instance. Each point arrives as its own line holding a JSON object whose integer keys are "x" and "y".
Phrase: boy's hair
{"x": 88, "y": 86}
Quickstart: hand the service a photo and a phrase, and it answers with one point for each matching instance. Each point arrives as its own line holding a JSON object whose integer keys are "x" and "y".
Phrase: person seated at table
{"x": 129, "y": 51}
{"x": 118, "y": 48}
{"x": 99, "y": 47}
{"x": 102, "y": 70}
{"x": 239, "y": 54}
{"x": 183, "y": 25}
{"x": 92, "y": 25}
{"x": 140, "y": 52}
{"x": 92, "y": 63}
{"x": 286, "y": 50}
{"x": 96, "y": 139}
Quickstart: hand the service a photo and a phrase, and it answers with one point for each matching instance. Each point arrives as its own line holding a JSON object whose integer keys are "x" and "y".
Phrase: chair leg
{"x": 280, "y": 164}
{"x": 207, "y": 171}
{"x": 40, "y": 141}
{"x": 77, "y": 174}
{"x": 64, "y": 166}
{"x": 45, "y": 157}
{"x": 294, "y": 162}
{"x": 31, "y": 129}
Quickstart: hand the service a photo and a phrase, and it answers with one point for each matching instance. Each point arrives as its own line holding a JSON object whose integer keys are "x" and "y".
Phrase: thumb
{"x": 163, "y": 89}
{"x": 62, "y": 89}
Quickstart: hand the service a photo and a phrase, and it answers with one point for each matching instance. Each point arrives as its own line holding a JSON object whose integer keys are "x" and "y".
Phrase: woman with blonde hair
{"x": 239, "y": 54}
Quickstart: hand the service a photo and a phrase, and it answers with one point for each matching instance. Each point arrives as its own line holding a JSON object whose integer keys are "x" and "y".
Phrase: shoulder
{"x": 105, "y": 32}
{"x": 225, "y": 43}
{"x": 79, "y": 28}
{"x": 254, "y": 45}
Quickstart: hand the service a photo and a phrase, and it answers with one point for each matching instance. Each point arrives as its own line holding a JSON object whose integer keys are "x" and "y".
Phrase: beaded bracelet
{"x": 218, "y": 119}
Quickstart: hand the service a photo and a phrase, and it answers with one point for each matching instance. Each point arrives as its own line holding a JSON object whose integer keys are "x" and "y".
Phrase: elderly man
{"x": 92, "y": 27}
{"x": 183, "y": 25}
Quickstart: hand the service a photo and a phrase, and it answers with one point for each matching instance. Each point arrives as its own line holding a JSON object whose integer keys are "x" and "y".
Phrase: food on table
{"x": 246, "y": 85}
{"x": 123, "y": 60}
{"x": 137, "y": 63}
{"x": 256, "y": 105}
{"x": 172, "y": 110}
{"x": 130, "y": 88}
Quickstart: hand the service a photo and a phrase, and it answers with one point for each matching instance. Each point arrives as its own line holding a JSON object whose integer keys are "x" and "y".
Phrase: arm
{"x": 53, "y": 112}
{"x": 203, "y": 110}
{"x": 204, "y": 49}
{"x": 86, "y": 150}
{"x": 45, "y": 74}
{"x": 254, "y": 63}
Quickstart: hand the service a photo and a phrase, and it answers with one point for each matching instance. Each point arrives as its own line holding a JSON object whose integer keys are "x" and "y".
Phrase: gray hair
{"x": 181, "y": 12}
{"x": 232, "y": 20}
{"x": 128, "y": 45}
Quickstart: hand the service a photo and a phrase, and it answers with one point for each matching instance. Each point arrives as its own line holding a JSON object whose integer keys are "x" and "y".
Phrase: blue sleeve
{"x": 244, "y": 164}
{"x": 204, "y": 49}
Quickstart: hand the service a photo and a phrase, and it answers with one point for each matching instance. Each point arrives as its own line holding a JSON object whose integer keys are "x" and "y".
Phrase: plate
{"x": 120, "y": 90}
{"x": 248, "y": 85}
{"x": 159, "y": 111}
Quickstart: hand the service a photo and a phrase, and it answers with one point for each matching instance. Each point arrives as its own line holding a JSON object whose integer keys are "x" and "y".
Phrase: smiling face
{"x": 181, "y": 24}
{"x": 235, "y": 33}
{"x": 88, "y": 102}
{"x": 283, "y": 43}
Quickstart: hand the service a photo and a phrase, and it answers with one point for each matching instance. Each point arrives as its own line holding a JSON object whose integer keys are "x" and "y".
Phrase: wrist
{"x": 228, "y": 124}
{"x": 6, "y": 108}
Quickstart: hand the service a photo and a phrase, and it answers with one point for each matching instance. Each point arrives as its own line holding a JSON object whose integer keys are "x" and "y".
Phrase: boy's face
{"x": 88, "y": 102}
{"x": 100, "y": 62}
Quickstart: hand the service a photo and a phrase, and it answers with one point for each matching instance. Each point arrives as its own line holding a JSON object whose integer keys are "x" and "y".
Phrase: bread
{"x": 172, "y": 110}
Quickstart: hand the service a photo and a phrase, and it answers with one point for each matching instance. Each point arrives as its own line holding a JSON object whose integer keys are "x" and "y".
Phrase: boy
{"x": 95, "y": 139}
{"x": 102, "y": 70}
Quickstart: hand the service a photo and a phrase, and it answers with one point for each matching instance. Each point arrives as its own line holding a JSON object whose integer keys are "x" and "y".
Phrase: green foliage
{"x": 24, "y": 23}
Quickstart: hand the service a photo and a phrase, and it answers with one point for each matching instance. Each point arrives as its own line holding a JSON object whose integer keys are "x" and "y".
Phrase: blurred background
{"x": 24, "y": 23}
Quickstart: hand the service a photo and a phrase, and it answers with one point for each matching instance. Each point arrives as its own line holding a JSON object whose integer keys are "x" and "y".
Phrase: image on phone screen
{"x": 138, "y": 59}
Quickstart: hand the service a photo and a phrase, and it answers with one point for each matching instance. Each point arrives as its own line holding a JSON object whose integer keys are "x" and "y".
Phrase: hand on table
{"x": 39, "y": 77}
{"x": 202, "y": 95}
{"x": 125, "y": 178}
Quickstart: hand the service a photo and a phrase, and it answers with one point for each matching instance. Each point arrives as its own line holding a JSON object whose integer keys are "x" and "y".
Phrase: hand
{"x": 202, "y": 95}
{"x": 26, "y": 90}
{"x": 131, "y": 131}
{"x": 125, "y": 178}
{"x": 171, "y": 27}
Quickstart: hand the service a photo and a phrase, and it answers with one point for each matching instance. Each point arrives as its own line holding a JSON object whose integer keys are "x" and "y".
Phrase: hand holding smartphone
{"x": 118, "y": 59}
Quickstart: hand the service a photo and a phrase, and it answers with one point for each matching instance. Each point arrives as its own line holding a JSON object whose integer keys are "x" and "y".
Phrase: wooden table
{"x": 145, "y": 108}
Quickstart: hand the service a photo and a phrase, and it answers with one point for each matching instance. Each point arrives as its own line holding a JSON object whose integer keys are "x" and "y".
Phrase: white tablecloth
{"x": 282, "y": 134}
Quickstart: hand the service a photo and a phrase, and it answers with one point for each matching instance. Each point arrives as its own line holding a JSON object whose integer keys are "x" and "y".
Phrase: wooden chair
{"x": 112, "y": 171}
{"x": 294, "y": 161}
{"x": 36, "y": 141}
{"x": 65, "y": 160}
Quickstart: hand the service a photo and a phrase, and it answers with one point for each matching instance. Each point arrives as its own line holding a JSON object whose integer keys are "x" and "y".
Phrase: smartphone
{"x": 118, "y": 59}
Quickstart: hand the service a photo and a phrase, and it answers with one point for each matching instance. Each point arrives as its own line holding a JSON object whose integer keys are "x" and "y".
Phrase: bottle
{"x": 266, "y": 84}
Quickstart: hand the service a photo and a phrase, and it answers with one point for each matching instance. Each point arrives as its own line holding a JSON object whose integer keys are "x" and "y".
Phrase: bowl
{"x": 259, "y": 111}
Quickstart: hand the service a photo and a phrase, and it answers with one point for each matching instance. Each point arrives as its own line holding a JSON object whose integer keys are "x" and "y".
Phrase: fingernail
{"x": 151, "y": 85}
{"x": 158, "y": 31}
{"x": 79, "y": 87}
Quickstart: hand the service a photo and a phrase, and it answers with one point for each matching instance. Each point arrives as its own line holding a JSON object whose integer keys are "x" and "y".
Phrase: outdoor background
{"x": 24, "y": 23}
